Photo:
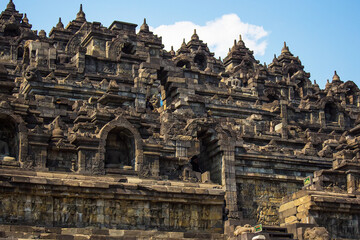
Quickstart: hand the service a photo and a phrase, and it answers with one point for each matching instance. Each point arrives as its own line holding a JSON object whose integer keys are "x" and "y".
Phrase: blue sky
{"x": 325, "y": 34}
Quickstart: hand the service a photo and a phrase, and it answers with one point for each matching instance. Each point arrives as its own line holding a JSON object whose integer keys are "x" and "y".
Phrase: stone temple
{"x": 106, "y": 135}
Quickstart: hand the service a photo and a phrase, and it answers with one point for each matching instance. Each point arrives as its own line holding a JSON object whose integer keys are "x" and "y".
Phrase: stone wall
{"x": 105, "y": 213}
{"x": 60, "y": 200}
{"x": 263, "y": 180}
{"x": 260, "y": 199}
{"x": 331, "y": 199}
{"x": 337, "y": 212}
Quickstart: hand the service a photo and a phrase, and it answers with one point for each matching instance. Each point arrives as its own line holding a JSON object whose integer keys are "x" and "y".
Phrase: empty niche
{"x": 330, "y": 112}
{"x": 120, "y": 149}
{"x": 272, "y": 98}
{"x": 271, "y": 94}
{"x": 20, "y": 53}
{"x": 200, "y": 61}
{"x": 128, "y": 48}
{"x": 9, "y": 141}
{"x": 183, "y": 64}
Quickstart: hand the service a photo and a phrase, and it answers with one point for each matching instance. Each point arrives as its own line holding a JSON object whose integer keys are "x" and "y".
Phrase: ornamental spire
{"x": 335, "y": 77}
{"x": 195, "y": 36}
{"x": 285, "y": 49}
{"x": 11, "y": 6}
{"x": 80, "y": 16}
{"x": 25, "y": 19}
{"x": 144, "y": 27}
{"x": 60, "y": 24}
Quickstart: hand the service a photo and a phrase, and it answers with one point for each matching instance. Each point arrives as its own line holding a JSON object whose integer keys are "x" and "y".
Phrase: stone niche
{"x": 330, "y": 112}
{"x": 9, "y": 140}
{"x": 120, "y": 149}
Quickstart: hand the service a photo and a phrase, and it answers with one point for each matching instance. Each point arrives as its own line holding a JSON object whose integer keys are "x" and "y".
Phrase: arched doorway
{"x": 120, "y": 149}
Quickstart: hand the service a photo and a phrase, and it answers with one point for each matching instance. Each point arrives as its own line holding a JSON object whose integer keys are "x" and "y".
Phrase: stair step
{"x": 274, "y": 229}
{"x": 281, "y": 235}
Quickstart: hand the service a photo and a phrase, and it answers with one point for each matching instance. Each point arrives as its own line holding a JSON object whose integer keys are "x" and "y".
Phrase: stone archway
{"x": 9, "y": 141}
{"x": 120, "y": 145}
{"x": 121, "y": 45}
{"x": 120, "y": 149}
{"x": 13, "y": 137}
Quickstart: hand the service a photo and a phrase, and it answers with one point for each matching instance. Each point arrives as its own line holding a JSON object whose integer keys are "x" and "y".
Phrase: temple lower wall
{"x": 64, "y": 201}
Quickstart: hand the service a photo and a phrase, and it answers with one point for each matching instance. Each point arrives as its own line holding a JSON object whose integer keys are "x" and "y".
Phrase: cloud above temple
{"x": 219, "y": 34}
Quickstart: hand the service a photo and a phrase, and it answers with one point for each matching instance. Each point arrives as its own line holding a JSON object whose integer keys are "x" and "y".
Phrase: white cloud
{"x": 219, "y": 34}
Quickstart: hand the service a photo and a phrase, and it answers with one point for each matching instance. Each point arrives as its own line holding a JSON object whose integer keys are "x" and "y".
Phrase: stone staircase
{"x": 277, "y": 233}
{"x": 16, "y": 232}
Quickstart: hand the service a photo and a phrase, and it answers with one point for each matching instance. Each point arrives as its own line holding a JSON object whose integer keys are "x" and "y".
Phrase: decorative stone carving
{"x": 316, "y": 233}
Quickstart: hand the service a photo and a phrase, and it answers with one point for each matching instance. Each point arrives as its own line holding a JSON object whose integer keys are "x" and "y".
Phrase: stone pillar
{"x": 52, "y": 58}
{"x": 322, "y": 118}
{"x": 312, "y": 118}
{"x": 343, "y": 99}
{"x": 284, "y": 119}
{"x": 13, "y": 52}
{"x": 291, "y": 93}
{"x": 81, "y": 161}
{"x": 284, "y": 93}
{"x": 341, "y": 120}
{"x": 80, "y": 60}
{"x": 227, "y": 146}
{"x": 351, "y": 183}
